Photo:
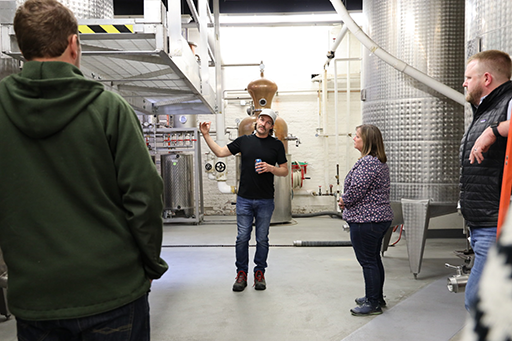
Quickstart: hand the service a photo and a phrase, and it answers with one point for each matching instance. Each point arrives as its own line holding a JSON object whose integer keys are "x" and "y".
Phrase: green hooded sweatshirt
{"x": 80, "y": 199}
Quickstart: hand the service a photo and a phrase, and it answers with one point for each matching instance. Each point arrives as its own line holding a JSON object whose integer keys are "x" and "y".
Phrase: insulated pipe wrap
{"x": 322, "y": 243}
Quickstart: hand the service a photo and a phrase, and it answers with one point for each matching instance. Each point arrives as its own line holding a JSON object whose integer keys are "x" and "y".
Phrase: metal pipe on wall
{"x": 222, "y": 185}
{"x": 336, "y": 43}
{"x": 348, "y": 98}
{"x": 219, "y": 80}
{"x": 324, "y": 129}
{"x": 336, "y": 129}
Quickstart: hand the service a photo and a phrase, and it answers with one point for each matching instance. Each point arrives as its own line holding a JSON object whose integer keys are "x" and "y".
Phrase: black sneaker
{"x": 259, "y": 280}
{"x": 366, "y": 309}
{"x": 241, "y": 281}
{"x": 362, "y": 300}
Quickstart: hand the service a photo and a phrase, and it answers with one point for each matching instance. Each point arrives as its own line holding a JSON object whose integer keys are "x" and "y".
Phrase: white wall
{"x": 291, "y": 55}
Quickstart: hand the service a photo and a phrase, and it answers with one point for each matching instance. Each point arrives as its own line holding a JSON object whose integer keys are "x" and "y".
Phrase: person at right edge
{"x": 366, "y": 209}
{"x": 489, "y": 91}
{"x": 80, "y": 198}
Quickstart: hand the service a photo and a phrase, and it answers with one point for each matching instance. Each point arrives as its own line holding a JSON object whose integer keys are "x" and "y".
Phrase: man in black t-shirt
{"x": 255, "y": 197}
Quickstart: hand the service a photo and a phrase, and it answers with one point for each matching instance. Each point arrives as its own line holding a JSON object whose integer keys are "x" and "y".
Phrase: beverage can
{"x": 256, "y": 162}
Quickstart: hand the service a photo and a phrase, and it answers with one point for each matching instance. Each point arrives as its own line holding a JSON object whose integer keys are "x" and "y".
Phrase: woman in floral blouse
{"x": 366, "y": 208}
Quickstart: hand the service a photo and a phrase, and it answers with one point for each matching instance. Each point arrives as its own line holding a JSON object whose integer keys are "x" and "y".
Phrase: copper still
{"x": 262, "y": 91}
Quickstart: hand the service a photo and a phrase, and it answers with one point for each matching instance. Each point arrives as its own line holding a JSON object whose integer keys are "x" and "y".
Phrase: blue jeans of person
{"x": 260, "y": 212}
{"x": 482, "y": 238}
{"x": 127, "y": 323}
{"x": 367, "y": 241}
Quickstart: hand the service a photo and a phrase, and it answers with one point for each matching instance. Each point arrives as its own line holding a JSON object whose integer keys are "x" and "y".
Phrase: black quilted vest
{"x": 480, "y": 184}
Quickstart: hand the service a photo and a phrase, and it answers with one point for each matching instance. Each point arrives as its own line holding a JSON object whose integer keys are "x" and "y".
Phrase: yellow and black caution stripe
{"x": 105, "y": 29}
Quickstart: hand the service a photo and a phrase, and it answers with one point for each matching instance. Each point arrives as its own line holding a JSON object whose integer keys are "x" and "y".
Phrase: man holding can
{"x": 255, "y": 197}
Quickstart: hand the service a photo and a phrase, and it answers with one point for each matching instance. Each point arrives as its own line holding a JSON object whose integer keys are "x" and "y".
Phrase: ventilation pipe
{"x": 393, "y": 61}
{"x": 334, "y": 47}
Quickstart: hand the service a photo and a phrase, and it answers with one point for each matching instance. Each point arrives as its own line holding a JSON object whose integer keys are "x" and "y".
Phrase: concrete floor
{"x": 310, "y": 290}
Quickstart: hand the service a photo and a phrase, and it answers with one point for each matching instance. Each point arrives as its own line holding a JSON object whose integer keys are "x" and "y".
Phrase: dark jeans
{"x": 367, "y": 240}
{"x": 127, "y": 323}
{"x": 249, "y": 210}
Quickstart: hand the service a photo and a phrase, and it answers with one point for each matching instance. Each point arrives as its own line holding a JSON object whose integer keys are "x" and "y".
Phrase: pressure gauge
{"x": 183, "y": 119}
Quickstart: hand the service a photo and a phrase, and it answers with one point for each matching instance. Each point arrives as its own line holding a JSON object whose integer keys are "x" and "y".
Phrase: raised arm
{"x": 215, "y": 148}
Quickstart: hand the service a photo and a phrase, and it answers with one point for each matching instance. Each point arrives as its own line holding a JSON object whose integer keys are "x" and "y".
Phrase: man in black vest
{"x": 489, "y": 90}
{"x": 255, "y": 198}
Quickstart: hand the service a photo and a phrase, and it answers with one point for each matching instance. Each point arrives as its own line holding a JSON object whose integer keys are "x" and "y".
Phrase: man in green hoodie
{"x": 80, "y": 199}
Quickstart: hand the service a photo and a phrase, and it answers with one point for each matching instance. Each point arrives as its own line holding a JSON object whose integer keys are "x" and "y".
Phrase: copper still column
{"x": 262, "y": 91}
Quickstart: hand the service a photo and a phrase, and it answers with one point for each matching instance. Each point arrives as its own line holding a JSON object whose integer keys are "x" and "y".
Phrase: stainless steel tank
{"x": 488, "y": 27}
{"x": 422, "y": 129}
{"x": 7, "y": 10}
{"x": 8, "y": 66}
{"x": 178, "y": 184}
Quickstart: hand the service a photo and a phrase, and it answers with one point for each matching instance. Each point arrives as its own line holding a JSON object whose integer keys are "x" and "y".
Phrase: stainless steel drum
{"x": 283, "y": 197}
{"x": 178, "y": 184}
{"x": 488, "y": 27}
{"x": 8, "y": 66}
{"x": 421, "y": 128}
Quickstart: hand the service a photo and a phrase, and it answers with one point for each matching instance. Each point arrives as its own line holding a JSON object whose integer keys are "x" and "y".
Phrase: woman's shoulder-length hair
{"x": 373, "y": 143}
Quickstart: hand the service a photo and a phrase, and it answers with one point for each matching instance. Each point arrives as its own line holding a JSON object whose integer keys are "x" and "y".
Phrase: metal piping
{"x": 316, "y": 214}
{"x": 219, "y": 105}
{"x": 393, "y": 61}
{"x": 334, "y": 47}
{"x": 218, "y": 78}
{"x": 225, "y": 188}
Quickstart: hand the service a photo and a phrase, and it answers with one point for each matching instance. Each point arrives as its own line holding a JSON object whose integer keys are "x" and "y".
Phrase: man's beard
{"x": 474, "y": 97}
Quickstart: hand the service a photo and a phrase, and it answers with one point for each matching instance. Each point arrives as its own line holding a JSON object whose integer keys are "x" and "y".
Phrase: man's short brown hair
{"x": 495, "y": 62}
{"x": 43, "y": 27}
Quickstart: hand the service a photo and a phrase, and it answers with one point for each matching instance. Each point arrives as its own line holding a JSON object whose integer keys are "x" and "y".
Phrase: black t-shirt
{"x": 270, "y": 150}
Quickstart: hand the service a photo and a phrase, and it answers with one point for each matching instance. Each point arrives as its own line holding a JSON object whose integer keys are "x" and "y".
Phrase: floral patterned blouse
{"x": 366, "y": 192}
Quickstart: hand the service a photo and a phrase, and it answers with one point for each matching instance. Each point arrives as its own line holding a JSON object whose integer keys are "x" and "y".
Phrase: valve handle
{"x": 220, "y": 166}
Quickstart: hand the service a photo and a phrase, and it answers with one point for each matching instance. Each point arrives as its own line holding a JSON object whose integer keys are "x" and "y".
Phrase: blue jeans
{"x": 482, "y": 238}
{"x": 367, "y": 241}
{"x": 127, "y": 323}
{"x": 249, "y": 210}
